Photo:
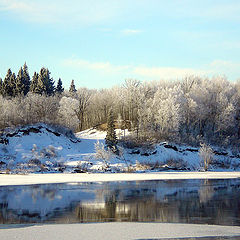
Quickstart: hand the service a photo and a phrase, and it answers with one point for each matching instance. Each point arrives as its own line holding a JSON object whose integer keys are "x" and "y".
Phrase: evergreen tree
{"x": 9, "y": 84}
{"x": 26, "y": 77}
{"x": 12, "y": 85}
{"x": 19, "y": 86}
{"x": 34, "y": 83}
{"x": 72, "y": 88}
{"x": 111, "y": 138}
{"x": 59, "y": 89}
{"x": 45, "y": 84}
{"x": 50, "y": 89}
{"x": 41, "y": 86}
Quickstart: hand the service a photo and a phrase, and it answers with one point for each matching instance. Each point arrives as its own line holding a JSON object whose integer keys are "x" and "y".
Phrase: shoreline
{"x": 31, "y": 179}
{"x": 117, "y": 230}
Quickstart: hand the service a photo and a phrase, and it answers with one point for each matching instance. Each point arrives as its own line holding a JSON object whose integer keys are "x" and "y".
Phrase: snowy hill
{"x": 36, "y": 146}
{"x": 43, "y": 148}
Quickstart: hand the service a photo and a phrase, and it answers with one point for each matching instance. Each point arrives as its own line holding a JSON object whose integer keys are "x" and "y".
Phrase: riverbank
{"x": 11, "y": 179}
{"x": 40, "y": 148}
{"x": 116, "y": 230}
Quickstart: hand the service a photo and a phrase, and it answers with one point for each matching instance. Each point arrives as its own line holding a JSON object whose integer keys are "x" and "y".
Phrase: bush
{"x": 102, "y": 153}
{"x": 206, "y": 155}
{"x": 177, "y": 163}
{"x": 132, "y": 142}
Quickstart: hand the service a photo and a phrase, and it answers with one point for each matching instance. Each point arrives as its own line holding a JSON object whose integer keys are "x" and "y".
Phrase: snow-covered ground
{"x": 12, "y": 179}
{"x": 35, "y": 150}
{"x": 40, "y": 148}
{"x": 123, "y": 230}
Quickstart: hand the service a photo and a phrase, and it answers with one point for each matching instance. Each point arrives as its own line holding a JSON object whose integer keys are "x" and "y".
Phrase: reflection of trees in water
{"x": 48, "y": 192}
{"x": 134, "y": 205}
{"x": 8, "y": 215}
{"x": 205, "y": 191}
{"x": 205, "y": 203}
{"x": 218, "y": 204}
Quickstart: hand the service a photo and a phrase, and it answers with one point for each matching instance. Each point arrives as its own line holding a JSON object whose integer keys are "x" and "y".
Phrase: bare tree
{"x": 83, "y": 98}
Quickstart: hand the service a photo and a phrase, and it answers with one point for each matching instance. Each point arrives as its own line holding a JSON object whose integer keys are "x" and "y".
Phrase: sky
{"x": 100, "y": 43}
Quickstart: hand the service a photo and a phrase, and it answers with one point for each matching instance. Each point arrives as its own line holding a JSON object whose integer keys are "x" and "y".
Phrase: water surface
{"x": 173, "y": 201}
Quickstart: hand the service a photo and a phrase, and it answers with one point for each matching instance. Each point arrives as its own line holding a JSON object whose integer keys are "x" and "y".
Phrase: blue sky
{"x": 99, "y": 43}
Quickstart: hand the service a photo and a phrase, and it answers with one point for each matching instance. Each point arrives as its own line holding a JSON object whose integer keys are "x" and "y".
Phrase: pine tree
{"x": 34, "y": 83}
{"x": 41, "y": 85}
{"x": 50, "y": 89}
{"x": 9, "y": 84}
{"x": 26, "y": 77}
{"x": 111, "y": 138}
{"x": 59, "y": 88}
{"x": 72, "y": 89}
{"x": 19, "y": 86}
{"x": 12, "y": 85}
{"x": 45, "y": 84}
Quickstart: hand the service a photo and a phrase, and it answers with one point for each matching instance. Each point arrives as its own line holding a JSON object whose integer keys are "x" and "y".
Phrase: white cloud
{"x": 167, "y": 72}
{"x": 131, "y": 31}
{"x": 225, "y": 67}
{"x": 133, "y": 71}
{"x": 105, "y": 67}
{"x": 217, "y": 67}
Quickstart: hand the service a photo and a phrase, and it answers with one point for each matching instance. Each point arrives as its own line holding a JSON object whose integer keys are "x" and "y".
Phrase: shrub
{"x": 177, "y": 163}
{"x": 206, "y": 155}
{"x": 142, "y": 166}
{"x": 131, "y": 142}
{"x": 102, "y": 153}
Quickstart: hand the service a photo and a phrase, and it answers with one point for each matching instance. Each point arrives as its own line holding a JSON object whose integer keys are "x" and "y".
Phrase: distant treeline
{"x": 21, "y": 84}
{"x": 192, "y": 110}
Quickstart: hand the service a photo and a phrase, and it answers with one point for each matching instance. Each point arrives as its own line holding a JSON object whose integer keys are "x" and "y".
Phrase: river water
{"x": 172, "y": 201}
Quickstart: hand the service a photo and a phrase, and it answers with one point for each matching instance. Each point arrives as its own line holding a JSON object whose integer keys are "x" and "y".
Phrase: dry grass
{"x": 177, "y": 163}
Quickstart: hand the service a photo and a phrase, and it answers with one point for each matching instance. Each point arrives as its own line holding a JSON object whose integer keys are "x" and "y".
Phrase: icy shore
{"x": 11, "y": 179}
{"x": 123, "y": 230}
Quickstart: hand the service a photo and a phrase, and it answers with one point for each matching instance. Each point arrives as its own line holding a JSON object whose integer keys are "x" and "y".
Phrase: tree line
{"x": 21, "y": 84}
{"x": 192, "y": 110}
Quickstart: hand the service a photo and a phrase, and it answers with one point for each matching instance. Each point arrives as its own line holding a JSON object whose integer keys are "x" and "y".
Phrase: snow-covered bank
{"x": 114, "y": 231}
{"x": 42, "y": 148}
{"x": 6, "y": 179}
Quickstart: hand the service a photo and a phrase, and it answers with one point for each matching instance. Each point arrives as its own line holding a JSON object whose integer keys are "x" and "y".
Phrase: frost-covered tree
{"x": 206, "y": 155}
{"x": 131, "y": 91}
{"x": 66, "y": 113}
{"x": 227, "y": 120}
{"x": 41, "y": 108}
{"x": 188, "y": 105}
{"x": 101, "y": 102}
{"x": 102, "y": 154}
{"x": 145, "y": 115}
{"x": 166, "y": 105}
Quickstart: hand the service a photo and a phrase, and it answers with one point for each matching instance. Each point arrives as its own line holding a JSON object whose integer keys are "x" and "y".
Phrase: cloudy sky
{"x": 99, "y": 43}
